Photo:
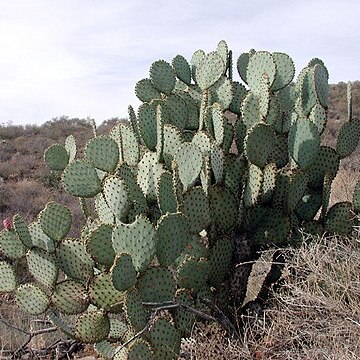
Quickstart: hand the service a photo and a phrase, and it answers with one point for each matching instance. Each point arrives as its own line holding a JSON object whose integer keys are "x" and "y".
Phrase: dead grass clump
{"x": 316, "y": 315}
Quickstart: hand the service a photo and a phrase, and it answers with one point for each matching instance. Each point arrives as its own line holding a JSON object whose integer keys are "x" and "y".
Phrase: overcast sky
{"x": 83, "y": 57}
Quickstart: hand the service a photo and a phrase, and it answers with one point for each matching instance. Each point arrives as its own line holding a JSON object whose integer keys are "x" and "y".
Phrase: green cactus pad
{"x": 259, "y": 144}
{"x": 356, "y": 197}
{"x": 239, "y": 93}
{"x": 274, "y": 229}
{"x": 118, "y": 329}
{"x": 123, "y": 272}
{"x": 162, "y": 76}
{"x": 326, "y": 162}
{"x": 210, "y": 70}
{"x": 172, "y": 235}
{"x": 140, "y": 349}
{"x": 305, "y": 87}
{"x": 182, "y": 69}
{"x": 297, "y": 187}
{"x": 260, "y": 63}
{"x": 70, "y": 297}
{"x": 172, "y": 142}
{"x": 103, "y": 293}
{"x": 250, "y": 110}
{"x": 56, "y": 157}
{"x": 99, "y": 245}
{"x": 309, "y": 205}
{"x": 228, "y": 136}
{"x": 159, "y": 134}
{"x": 348, "y": 138}
{"x": 137, "y": 239}
{"x": 218, "y": 120}
{"x": 146, "y": 91}
{"x": 321, "y": 77}
{"x": 105, "y": 349}
{"x": 192, "y": 273}
{"x": 103, "y": 152}
{"x": 92, "y": 327}
{"x": 80, "y": 179}
{"x": 165, "y": 193}
{"x": 217, "y": 158}
{"x": 135, "y": 312}
{"x": 223, "y": 50}
{"x": 253, "y": 186}
{"x": 147, "y": 125}
{"x": 165, "y": 340}
{"x": 39, "y": 238}
{"x": 197, "y": 58}
{"x": 285, "y": 70}
{"x": 349, "y": 101}
{"x": 269, "y": 182}
{"x": 304, "y": 142}
{"x": 11, "y": 245}
{"x": 189, "y": 161}
{"x": 224, "y": 208}
{"x": 222, "y": 92}
{"x": 242, "y": 65}
{"x": 338, "y": 219}
{"x": 31, "y": 299}
{"x": 318, "y": 116}
{"x": 240, "y": 133}
{"x": 134, "y": 123}
{"x": 103, "y": 211}
{"x": 219, "y": 260}
{"x": 74, "y": 260}
{"x": 55, "y": 221}
{"x": 149, "y": 172}
{"x": 157, "y": 285}
{"x": 202, "y": 141}
{"x": 184, "y": 320}
{"x": 116, "y": 196}
{"x": 7, "y": 277}
{"x": 22, "y": 231}
{"x": 43, "y": 266}
{"x": 70, "y": 146}
{"x": 196, "y": 210}
{"x": 280, "y": 154}
{"x": 129, "y": 145}
{"x": 234, "y": 173}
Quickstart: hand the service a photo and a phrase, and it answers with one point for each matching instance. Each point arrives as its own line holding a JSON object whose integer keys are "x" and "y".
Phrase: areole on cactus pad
{"x": 206, "y": 161}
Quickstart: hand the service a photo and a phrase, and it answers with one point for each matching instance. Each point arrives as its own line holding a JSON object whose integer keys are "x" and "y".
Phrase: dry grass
{"x": 315, "y": 315}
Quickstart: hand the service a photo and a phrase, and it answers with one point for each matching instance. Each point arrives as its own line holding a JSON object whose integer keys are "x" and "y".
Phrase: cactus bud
{"x": 8, "y": 225}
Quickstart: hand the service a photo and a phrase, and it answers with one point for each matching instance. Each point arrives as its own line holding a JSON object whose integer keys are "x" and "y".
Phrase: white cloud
{"x": 83, "y": 58}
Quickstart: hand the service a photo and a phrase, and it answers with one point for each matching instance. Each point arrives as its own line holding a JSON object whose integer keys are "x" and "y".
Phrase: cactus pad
{"x": 182, "y": 69}
{"x": 189, "y": 161}
{"x": 70, "y": 297}
{"x": 162, "y": 76}
{"x": 135, "y": 311}
{"x": 348, "y": 138}
{"x": 39, "y": 238}
{"x": 43, "y": 266}
{"x": 7, "y": 277}
{"x": 338, "y": 219}
{"x": 99, "y": 245}
{"x": 285, "y": 70}
{"x": 103, "y": 294}
{"x": 116, "y": 196}
{"x": 92, "y": 327}
{"x": 210, "y": 70}
{"x": 165, "y": 340}
{"x": 147, "y": 125}
{"x": 80, "y": 179}
{"x": 74, "y": 260}
{"x": 55, "y": 221}
{"x": 123, "y": 273}
{"x": 31, "y": 299}
{"x": 56, "y": 157}
{"x": 195, "y": 207}
{"x": 22, "y": 231}
{"x": 11, "y": 245}
{"x": 137, "y": 239}
{"x": 192, "y": 273}
{"x": 172, "y": 235}
{"x": 157, "y": 285}
{"x": 146, "y": 91}
{"x": 304, "y": 142}
{"x": 166, "y": 195}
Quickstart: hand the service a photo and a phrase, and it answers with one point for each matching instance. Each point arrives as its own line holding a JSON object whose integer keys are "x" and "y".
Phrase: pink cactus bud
{"x": 8, "y": 225}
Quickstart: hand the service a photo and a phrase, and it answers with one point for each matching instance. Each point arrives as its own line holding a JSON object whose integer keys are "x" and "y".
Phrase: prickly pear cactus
{"x": 173, "y": 191}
